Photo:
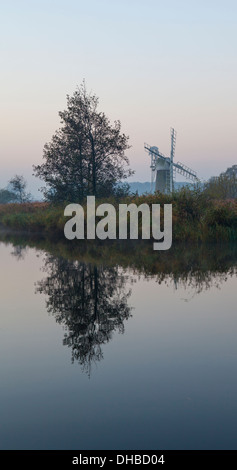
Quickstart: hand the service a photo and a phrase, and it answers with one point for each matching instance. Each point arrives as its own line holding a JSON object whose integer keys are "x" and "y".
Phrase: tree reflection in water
{"x": 90, "y": 301}
{"x": 90, "y": 297}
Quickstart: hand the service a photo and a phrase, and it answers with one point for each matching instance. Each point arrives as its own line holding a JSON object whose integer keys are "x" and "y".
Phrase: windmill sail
{"x": 163, "y": 169}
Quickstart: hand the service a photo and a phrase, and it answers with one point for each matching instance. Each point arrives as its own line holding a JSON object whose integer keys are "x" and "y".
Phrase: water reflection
{"x": 19, "y": 252}
{"x": 90, "y": 301}
{"x": 178, "y": 357}
{"x": 87, "y": 286}
{"x": 194, "y": 282}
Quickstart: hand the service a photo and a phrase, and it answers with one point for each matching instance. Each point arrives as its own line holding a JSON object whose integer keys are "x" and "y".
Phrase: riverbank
{"x": 195, "y": 218}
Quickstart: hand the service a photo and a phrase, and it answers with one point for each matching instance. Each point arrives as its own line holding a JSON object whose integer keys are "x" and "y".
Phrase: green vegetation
{"x": 197, "y": 217}
{"x": 6, "y": 196}
{"x": 224, "y": 186}
{"x": 15, "y": 191}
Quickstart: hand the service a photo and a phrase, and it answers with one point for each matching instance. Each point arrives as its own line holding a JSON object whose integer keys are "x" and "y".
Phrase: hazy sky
{"x": 153, "y": 64}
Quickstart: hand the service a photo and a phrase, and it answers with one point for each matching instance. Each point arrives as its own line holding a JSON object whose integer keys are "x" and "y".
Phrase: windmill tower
{"x": 163, "y": 169}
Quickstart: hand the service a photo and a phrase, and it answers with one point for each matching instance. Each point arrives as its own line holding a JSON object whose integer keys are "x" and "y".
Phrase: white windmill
{"x": 163, "y": 169}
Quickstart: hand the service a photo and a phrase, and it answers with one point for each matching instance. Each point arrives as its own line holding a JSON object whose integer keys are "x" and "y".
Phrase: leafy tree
{"x": 223, "y": 186}
{"x": 17, "y": 185}
{"x": 7, "y": 196}
{"x": 231, "y": 171}
{"x": 86, "y": 156}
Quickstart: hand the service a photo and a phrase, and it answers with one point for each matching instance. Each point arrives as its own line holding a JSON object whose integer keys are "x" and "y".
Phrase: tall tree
{"x": 86, "y": 156}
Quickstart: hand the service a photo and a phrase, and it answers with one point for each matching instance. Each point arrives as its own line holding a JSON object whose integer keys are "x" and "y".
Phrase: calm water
{"x": 100, "y": 356}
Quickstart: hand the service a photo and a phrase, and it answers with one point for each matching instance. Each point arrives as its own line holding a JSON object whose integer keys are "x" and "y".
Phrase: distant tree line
{"x": 15, "y": 191}
{"x": 223, "y": 186}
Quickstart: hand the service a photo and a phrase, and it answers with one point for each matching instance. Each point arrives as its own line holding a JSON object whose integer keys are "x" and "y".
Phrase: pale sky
{"x": 153, "y": 64}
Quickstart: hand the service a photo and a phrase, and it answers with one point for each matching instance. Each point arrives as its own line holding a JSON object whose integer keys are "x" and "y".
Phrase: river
{"x": 98, "y": 354}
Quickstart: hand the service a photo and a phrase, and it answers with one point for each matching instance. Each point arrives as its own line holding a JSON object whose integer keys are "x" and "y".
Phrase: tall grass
{"x": 196, "y": 216}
